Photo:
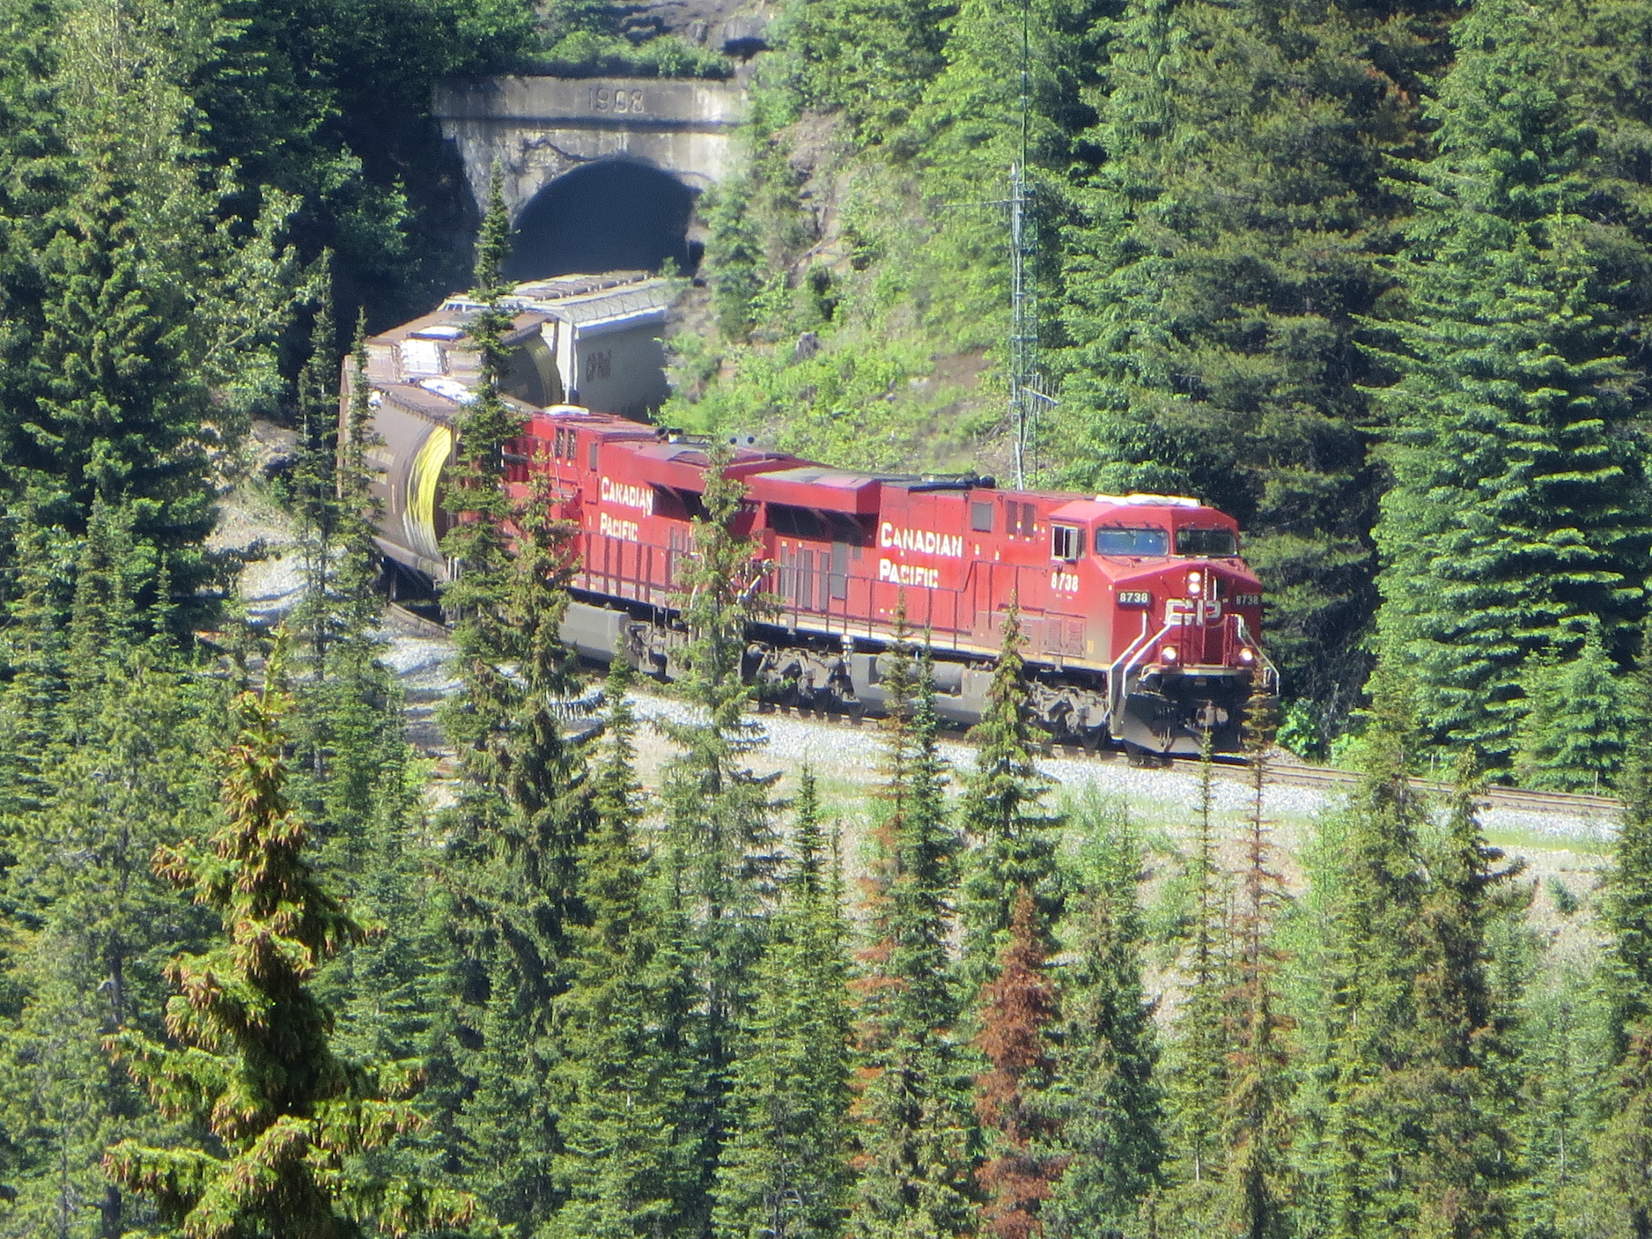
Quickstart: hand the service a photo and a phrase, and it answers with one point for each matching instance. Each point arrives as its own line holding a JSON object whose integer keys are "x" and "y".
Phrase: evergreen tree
{"x": 718, "y": 810}
{"x": 523, "y": 807}
{"x": 1516, "y": 518}
{"x": 1222, "y": 254}
{"x": 314, "y": 476}
{"x": 1628, "y": 900}
{"x": 1562, "y": 1070}
{"x": 625, "y": 1168}
{"x": 1572, "y": 737}
{"x": 784, "y": 1170}
{"x": 1017, "y": 1008}
{"x": 1464, "y": 1165}
{"x": 1256, "y": 1195}
{"x": 91, "y": 926}
{"x": 1370, "y": 958}
{"x": 914, "y": 1133}
{"x": 1012, "y": 844}
{"x": 868, "y": 59}
{"x": 1197, "y": 1056}
{"x": 120, "y": 414}
{"x": 1106, "y": 1095}
{"x": 1621, "y": 1183}
{"x": 247, "y": 1056}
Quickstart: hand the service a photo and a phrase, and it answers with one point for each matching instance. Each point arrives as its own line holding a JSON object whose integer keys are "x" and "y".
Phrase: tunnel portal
{"x": 608, "y": 215}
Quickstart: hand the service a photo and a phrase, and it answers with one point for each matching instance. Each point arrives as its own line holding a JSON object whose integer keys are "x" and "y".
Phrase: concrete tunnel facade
{"x": 598, "y": 174}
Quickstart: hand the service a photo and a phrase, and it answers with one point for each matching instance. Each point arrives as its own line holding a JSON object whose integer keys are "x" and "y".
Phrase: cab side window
{"x": 1065, "y": 542}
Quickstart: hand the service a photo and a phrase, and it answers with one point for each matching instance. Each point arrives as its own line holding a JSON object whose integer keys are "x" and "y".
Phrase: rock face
{"x": 734, "y": 27}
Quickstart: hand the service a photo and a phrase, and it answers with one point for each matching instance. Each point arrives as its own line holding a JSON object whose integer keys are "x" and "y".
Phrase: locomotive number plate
{"x": 1245, "y": 600}
{"x": 1135, "y": 598}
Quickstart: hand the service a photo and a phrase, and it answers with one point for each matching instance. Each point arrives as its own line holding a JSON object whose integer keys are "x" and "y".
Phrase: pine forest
{"x": 297, "y": 945}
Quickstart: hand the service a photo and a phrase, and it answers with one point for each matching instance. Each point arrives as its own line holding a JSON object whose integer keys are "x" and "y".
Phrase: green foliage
{"x": 1197, "y": 1057}
{"x": 1221, "y": 254}
{"x": 870, "y": 60}
{"x": 92, "y": 926}
{"x": 1107, "y": 1095}
{"x": 247, "y": 1056}
{"x": 785, "y": 1167}
{"x": 523, "y": 804}
{"x": 723, "y": 847}
{"x": 1516, "y": 519}
{"x": 1012, "y": 843}
{"x": 912, "y": 1105}
{"x": 626, "y": 1165}
{"x": 1573, "y": 736}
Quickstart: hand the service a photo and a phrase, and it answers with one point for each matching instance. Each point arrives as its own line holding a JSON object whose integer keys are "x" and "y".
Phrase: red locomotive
{"x": 1141, "y": 620}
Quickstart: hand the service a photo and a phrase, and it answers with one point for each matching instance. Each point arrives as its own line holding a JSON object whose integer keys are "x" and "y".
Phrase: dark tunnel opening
{"x": 606, "y": 216}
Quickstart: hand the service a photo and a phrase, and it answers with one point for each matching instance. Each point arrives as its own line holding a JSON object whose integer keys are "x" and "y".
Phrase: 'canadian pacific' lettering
{"x": 627, "y": 495}
{"x": 909, "y": 574}
{"x": 923, "y": 541}
{"x": 612, "y": 527}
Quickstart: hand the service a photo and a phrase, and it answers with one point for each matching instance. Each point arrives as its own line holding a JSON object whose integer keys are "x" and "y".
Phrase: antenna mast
{"x": 1025, "y": 396}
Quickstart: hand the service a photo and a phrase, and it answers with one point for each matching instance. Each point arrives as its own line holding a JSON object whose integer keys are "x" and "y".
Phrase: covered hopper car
{"x": 1141, "y": 620}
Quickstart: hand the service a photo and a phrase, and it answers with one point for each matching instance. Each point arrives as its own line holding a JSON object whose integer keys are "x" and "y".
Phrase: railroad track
{"x": 1287, "y": 772}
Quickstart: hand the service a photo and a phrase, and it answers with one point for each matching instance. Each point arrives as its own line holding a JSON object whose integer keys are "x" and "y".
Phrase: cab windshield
{"x": 1138, "y": 542}
{"x": 1206, "y": 542}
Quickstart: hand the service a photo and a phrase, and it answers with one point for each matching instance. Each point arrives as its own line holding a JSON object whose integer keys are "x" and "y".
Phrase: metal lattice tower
{"x": 1023, "y": 322}
{"x": 1027, "y": 397}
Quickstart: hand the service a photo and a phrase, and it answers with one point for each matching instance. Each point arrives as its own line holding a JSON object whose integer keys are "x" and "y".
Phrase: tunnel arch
{"x": 607, "y": 215}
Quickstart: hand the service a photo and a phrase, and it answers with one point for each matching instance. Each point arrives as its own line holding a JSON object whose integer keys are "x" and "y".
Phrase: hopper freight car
{"x": 1141, "y": 620}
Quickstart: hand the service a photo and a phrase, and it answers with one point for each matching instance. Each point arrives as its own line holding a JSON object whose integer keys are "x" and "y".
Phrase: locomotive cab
{"x": 1178, "y": 615}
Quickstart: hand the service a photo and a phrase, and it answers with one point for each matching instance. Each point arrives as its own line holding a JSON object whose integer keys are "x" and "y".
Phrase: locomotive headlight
{"x": 1168, "y": 654}
{"x": 1195, "y": 584}
{"x": 1247, "y": 656}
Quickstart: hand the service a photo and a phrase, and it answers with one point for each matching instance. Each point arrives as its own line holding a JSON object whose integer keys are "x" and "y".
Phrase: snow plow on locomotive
{"x": 1141, "y": 621}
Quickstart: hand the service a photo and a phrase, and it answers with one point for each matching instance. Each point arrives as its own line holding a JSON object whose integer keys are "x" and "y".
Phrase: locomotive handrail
{"x": 1121, "y": 668}
{"x": 1271, "y": 678}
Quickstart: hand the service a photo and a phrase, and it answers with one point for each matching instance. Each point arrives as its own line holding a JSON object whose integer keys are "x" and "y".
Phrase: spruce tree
{"x": 625, "y": 1167}
{"x": 1017, "y": 1009}
{"x": 1628, "y": 900}
{"x": 121, "y": 412}
{"x": 1517, "y": 516}
{"x": 719, "y": 812}
{"x": 1464, "y": 1166}
{"x": 247, "y": 1056}
{"x": 89, "y": 927}
{"x": 1106, "y": 1093}
{"x": 1620, "y": 1182}
{"x": 1572, "y": 737}
{"x": 1012, "y": 843}
{"x": 1197, "y": 1056}
{"x": 523, "y": 806}
{"x": 1256, "y": 1194}
{"x": 1222, "y": 252}
{"x": 912, "y": 1109}
{"x": 1562, "y": 1069}
{"x": 784, "y": 1170}
{"x": 1371, "y": 890}
{"x": 868, "y": 59}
